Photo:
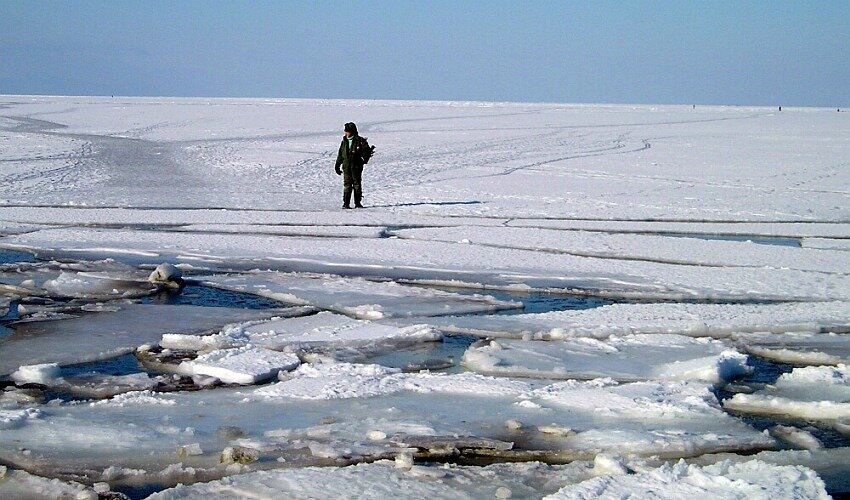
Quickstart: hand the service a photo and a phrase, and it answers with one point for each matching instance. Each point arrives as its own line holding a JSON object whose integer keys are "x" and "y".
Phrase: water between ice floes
{"x": 441, "y": 356}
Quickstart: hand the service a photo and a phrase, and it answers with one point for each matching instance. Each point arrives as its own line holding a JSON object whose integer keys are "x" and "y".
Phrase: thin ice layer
{"x": 109, "y": 334}
{"x": 357, "y": 297}
{"x": 632, "y": 357}
{"x": 799, "y": 348}
{"x": 817, "y": 393}
{"x": 91, "y": 384}
{"x": 325, "y": 331}
{"x": 386, "y": 479}
{"x": 343, "y": 412}
{"x": 727, "y": 480}
{"x": 694, "y": 320}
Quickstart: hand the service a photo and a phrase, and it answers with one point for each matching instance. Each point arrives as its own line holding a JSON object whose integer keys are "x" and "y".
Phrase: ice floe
{"x": 358, "y": 297}
{"x": 815, "y": 393}
{"x": 694, "y": 320}
{"x": 104, "y": 335}
{"x": 323, "y": 332}
{"x": 243, "y": 365}
{"x": 631, "y": 357}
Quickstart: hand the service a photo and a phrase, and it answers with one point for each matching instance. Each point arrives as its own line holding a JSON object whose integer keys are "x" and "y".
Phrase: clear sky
{"x": 736, "y": 52}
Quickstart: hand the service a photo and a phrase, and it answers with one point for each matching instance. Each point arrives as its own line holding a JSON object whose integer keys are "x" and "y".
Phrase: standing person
{"x": 351, "y": 160}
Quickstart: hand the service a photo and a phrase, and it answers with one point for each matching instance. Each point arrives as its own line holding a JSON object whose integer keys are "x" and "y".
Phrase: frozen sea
{"x": 538, "y": 300}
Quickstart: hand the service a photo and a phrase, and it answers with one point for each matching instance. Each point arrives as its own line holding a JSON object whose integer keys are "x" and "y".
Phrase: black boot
{"x": 346, "y": 199}
{"x": 357, "y": 197}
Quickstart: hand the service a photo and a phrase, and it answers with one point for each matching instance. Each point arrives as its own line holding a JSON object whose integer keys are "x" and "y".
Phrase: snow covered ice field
{"x": 538, "y": 300}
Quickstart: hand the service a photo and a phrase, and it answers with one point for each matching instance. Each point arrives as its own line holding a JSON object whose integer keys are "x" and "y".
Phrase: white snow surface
{"x": 646, "y": 202}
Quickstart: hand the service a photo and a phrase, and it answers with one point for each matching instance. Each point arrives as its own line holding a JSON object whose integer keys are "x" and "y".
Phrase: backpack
{"x": 364, "y": 150}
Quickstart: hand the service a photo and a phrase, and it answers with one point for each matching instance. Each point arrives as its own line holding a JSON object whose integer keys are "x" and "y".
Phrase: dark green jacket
{"x": 348, "y": 158}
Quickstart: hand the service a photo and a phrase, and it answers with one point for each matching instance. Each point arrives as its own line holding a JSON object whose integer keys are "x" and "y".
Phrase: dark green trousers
{"x": 351, "y": 183}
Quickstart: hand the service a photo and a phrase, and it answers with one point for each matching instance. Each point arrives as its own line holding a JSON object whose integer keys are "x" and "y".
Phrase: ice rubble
{"x": 384, "y": 479}
{"x": 752, "y": 479}
{"x": 814, "y": 393}
{"x": 108, "y": 334}
{"x": 21, "y": 484}
{"x": 325, "y": 331}
{"x": 833, "y": 464}
{"x": 358, "y": 297}
{"x": 694, "y": 320}
{"x": 628, "y": 358}
{"x": 323, "y": 412}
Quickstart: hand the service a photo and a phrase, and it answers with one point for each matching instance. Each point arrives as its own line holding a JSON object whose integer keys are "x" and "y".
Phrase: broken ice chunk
{"x": 245, "y": 365}
{"x": 96, "y": 286}
{"x": 166, "y": 274}
{"x": 816, "y": 393}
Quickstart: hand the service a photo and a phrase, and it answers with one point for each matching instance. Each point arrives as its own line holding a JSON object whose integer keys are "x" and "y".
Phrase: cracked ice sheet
{"x": 654, "y": 248}
{"x": 725, "y": 480}
{"x": 174, "y": 219}
{"x": 632, "y": 357}
{"x": 325, "y": 412}
{"x": 444, "y": 263}
{"x": 694, "y": 320}
{"x": 325, "y": 331}
{"x": 769, "y": 229}
{"x": 358, "y": 297}
{"x": 826, "y": 243}
{"x": 109, "y": 334}
{"x": 289, "y": 230}
{"x": 384, "y": 479}
{"x": 814, "y": 393}
{"x": 799, "y": 348}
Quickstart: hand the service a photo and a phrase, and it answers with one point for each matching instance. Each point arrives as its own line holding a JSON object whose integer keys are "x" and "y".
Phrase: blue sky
{"x": 686, "y": 52}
